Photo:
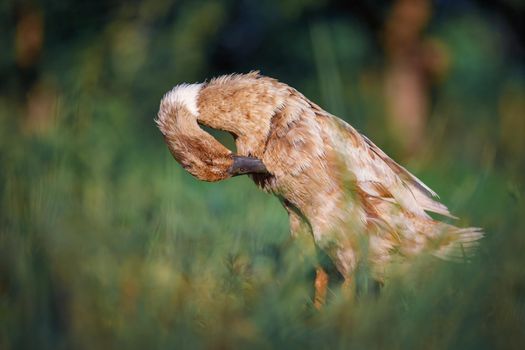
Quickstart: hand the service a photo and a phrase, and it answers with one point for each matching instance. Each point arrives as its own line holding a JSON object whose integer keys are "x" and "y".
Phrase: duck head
{"x": 196, "y": 150}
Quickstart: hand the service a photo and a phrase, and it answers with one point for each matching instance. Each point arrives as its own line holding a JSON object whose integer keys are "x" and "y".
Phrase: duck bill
{"x": 247, "y": 165}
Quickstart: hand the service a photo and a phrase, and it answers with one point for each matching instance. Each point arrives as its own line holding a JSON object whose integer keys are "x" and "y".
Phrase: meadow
{"x": 106, "y": 242}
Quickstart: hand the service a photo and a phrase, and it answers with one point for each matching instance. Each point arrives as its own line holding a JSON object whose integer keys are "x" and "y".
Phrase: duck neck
{"x": 244, "y": 109}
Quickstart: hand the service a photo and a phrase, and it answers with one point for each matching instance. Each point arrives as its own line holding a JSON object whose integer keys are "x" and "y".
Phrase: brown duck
{"x": 358, "y": 204}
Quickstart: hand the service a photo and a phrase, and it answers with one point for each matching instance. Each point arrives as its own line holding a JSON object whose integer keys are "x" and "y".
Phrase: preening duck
{"x": 358, "y": 204}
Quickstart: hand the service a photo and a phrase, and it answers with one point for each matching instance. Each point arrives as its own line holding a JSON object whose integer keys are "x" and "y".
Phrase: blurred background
{"x": 105, "y": 242}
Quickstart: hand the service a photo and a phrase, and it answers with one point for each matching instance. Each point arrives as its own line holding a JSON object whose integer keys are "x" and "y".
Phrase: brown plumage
{"x": 336, "y": 185}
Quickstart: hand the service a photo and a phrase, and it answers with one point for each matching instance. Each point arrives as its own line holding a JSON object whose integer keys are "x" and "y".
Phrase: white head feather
{"x": 185, "y": 94}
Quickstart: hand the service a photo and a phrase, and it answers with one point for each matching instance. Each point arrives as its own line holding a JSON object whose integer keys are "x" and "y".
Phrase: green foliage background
{"x": 105, "y": 242}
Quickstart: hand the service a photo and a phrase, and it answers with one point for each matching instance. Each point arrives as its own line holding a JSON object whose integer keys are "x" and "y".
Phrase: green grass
{"x": 105, "y": 242}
